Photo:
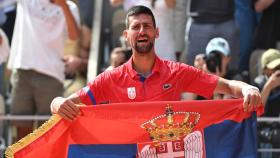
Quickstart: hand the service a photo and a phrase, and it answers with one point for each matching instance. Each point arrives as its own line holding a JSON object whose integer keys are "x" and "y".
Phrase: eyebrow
{"x": 142, "y": 23}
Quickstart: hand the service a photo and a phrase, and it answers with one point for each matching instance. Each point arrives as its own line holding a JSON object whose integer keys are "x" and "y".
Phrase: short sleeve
{"x": 196, "y": 81}
{"x": 91, "y": 94}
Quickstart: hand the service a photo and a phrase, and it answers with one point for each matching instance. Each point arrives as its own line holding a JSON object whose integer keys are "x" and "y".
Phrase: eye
{"x": 147, "y": 26}
{"x": 135, "y": 27}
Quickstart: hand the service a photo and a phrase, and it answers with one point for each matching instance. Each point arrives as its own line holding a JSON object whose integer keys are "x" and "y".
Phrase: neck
{"x": 143, "y": 63}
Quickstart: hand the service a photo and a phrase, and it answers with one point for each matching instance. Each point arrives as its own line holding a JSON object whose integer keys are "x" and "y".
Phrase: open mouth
{"x": 142, "y": 40}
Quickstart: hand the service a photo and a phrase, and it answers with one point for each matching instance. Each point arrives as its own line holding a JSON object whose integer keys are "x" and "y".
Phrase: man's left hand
{"x": 252, "y": 99}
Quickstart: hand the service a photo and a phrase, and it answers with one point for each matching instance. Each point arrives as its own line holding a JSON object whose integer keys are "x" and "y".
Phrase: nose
{"x": 142, "y": 30}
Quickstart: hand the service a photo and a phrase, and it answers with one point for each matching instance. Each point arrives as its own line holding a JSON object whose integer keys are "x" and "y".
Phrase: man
{"x": 36, "y": 58}
{"x": 209, "y": 19}
{"x": 118, "y": 57}
{"x": 145, "y": 77}
{"x": 216, "y": 60}
{"x": 269, "y": 82}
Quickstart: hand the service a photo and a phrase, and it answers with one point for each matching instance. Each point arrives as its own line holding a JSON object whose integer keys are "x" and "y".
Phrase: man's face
{"x": 141, "y": 33}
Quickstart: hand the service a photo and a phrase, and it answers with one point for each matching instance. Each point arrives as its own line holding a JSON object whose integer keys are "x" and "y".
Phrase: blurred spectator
{"x": 216, "y": 61}
{"x": 76, "y": 63}
{"x": 247, "y": 20}
{"x": 211, "y": 19}
{"x": 267, "y": 33}
{"x": 36, "y": 59}
{"x": 4, "y": 53}
{"x": 164, "y": 11}
{"x": 2, "y": 113}
{"x": 75, "y": 68}
{"x": 86, "y": 12}
{"x": 199, "y": 61}
{"x": 117, "y": 58}
{"x": 219, "y": 55}
{"x": 269, "y": 83}
{"x": 7, "y": 16}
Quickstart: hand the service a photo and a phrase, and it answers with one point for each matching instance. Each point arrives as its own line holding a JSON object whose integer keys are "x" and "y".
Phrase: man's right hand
{"x": 66, "y": 108}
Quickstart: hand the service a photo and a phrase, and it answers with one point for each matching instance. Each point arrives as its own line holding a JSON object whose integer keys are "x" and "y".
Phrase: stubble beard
{"x": 144, "y": 49}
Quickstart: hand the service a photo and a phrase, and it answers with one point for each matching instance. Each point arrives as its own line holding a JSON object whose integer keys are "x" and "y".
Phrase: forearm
{"x": 252, "y": 97}
{"x": 180, "y": 19}
{"x": 232, "y": 87}
{"x": 236, "y": 88}
{"x": 229, "y": 87}
{"x": 261, "y": 5}
{"x": 72, "y": 27}
{"x": 116, "y": 3}
{"x": 265, "y": 93}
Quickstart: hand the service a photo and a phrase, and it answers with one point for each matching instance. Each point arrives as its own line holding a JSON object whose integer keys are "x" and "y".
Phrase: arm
{"x": 261, "y": 5}
{"x": 238, "y": 89}
{"x": 67, "y": 108}
{"x": 180, "y": 20}
{"x": 170, "y": 3}
{"x": 73, "y": 31}
{"x": 272, "y": 83}
{"x": 116, "y": 3}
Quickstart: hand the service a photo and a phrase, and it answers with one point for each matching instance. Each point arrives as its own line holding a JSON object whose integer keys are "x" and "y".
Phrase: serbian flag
{"x": 189, "y": 129}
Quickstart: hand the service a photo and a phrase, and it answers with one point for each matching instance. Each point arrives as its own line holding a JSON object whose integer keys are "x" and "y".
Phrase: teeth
{"x": 143, "y": 40}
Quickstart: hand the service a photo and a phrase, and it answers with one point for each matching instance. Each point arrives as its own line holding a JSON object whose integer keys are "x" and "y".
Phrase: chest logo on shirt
{"x": 131, "y": 92}
{"x": 166, "y": 86}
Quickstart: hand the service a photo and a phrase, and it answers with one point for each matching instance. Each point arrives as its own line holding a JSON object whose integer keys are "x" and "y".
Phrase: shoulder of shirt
{"x": 113, "y": 72}
{"x": 174, "y": 64}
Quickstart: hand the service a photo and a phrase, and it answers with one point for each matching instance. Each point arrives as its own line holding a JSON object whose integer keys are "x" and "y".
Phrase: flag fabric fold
{"x": 113, "y": 130}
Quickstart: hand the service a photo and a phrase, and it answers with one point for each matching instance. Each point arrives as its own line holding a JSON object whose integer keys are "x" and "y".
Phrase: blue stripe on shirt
{"x": 90, "y": 94}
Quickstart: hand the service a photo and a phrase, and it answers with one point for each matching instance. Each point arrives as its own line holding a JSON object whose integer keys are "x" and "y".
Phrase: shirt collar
{"x": 133, "y": 73}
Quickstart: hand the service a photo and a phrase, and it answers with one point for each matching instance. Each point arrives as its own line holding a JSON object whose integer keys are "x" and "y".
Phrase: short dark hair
{"x": 137, "y": 10}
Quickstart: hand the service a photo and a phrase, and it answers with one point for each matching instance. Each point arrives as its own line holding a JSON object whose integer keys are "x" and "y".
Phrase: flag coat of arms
{"x": 212, "y": 129}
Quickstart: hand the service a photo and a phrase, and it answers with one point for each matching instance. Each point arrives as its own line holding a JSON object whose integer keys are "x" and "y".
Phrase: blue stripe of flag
{"x": 102, "y": 151}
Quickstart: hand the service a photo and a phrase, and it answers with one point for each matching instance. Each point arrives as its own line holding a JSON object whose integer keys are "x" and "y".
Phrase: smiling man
{"x": 145, "y": 77}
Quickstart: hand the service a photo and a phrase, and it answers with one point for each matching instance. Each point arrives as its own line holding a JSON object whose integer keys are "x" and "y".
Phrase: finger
{"x": 69, "y": 112}
{"x": 73, "y": 107}
{"x": 61, "y": 114}
{"x": 245, "y": 103}
{"x": 76, "y": 108}
{"x": 251, "y": 102}
{"x": 259, "y": 103}
{"x": 254, "y": 101}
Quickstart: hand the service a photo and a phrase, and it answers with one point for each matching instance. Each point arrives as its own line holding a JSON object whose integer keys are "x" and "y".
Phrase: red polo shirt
{"x": 166, "y": 82}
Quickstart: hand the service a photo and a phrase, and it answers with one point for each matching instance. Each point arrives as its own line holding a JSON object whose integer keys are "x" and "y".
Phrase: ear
{"x": 125, "y": 34}
{"x": 157, "y": 32}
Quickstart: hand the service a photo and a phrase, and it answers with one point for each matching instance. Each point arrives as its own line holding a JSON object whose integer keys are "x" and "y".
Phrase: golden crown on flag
{"x": 171, "y": 125}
